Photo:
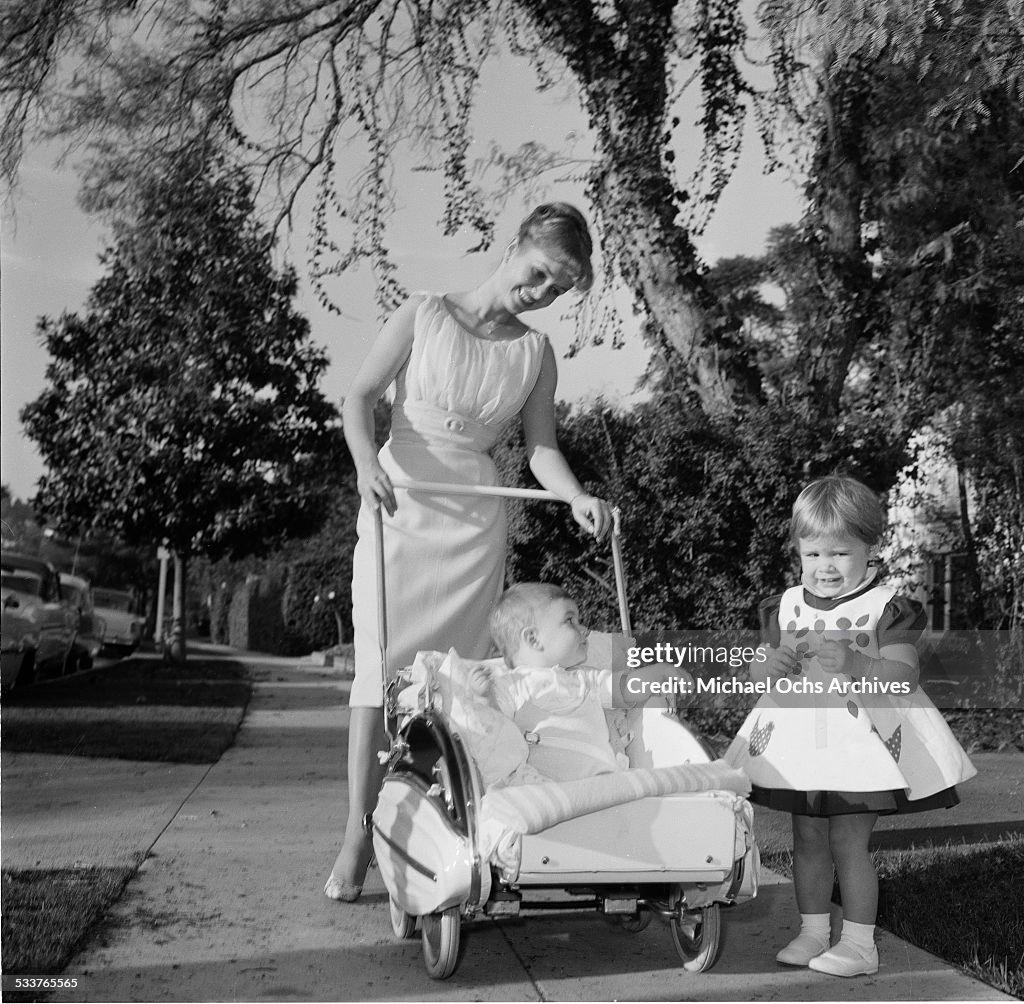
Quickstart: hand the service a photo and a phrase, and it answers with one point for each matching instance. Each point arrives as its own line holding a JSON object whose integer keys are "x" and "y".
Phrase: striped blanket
{"x": 530, "y": 808}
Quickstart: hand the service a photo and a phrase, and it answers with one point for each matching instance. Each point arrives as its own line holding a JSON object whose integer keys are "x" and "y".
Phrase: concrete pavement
{"x": 229, "y": 906}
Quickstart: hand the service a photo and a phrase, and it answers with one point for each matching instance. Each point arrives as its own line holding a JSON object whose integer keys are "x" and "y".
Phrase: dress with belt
{"x": 444, "y": 555}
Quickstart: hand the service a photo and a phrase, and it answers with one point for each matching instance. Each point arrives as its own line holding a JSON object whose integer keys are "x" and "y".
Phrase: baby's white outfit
{"x": 561, "y": 713}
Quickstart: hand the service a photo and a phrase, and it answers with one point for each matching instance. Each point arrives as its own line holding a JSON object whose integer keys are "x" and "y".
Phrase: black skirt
{"x": 839, "y": 803}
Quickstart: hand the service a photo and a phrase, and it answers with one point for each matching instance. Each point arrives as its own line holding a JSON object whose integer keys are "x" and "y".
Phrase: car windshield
{"x": 112, "y": 600}
{"x": 73, "y": 594}
{"x": 22, "y": 580}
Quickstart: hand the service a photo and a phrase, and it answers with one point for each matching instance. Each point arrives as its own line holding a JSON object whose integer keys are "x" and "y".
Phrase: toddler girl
{"x": 844, "y": 733}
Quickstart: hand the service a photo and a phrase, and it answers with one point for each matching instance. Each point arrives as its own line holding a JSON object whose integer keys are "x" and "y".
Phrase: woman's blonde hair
{"x": 560, "y": 229}
{"x": 837, "y": 506}
{"x": 516, "y": 611}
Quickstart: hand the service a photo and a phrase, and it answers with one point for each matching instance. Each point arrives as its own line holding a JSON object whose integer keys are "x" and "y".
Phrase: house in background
{"x": 928, "y": 556}
{"x": 926, "y": 553}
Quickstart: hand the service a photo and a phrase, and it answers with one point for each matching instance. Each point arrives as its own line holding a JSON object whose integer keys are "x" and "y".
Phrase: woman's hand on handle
{"x": 592, "y": 513}
{"x": 375, "y": 486}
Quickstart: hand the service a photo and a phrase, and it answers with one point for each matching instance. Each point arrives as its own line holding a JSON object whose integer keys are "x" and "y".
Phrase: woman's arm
{"x": 386, "y": 357}
{"x": 546, "y": 460}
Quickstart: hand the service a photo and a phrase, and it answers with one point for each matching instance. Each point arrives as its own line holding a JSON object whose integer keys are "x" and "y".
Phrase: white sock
{"x": 817, "y": 926}
{"x": 862, "y": 936}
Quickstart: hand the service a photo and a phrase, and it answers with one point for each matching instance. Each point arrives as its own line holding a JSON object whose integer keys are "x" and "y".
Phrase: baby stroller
{"x": 675, "y": 843}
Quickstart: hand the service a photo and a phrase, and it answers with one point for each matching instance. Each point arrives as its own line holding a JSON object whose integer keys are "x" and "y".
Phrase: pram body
{"x": 678, "y": 856}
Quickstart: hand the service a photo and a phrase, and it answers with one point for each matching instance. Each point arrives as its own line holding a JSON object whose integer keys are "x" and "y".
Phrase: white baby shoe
{"x": 802, "y": 949}
{"x": 846, "y": 959}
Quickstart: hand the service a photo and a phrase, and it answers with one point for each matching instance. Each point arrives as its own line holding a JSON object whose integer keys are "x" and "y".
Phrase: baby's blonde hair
{"x": 837, "y": 506}
{"x": 516, "y": 611}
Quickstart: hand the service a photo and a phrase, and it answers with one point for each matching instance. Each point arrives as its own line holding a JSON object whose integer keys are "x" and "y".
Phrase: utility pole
{"x": 175, "y": 650}
{"x": 161, "y": 593}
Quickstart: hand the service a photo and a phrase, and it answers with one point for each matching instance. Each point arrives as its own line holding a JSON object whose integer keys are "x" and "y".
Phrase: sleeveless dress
{"x": 817, "y": 747}
{"x": 444, "y": 555}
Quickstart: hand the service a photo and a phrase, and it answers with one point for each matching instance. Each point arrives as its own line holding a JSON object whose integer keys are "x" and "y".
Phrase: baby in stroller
{"x": 556, "y": 699}
{"x": 474, "y": 815}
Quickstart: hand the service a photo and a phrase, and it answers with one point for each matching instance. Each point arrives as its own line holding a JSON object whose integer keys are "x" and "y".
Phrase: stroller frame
{"x": 432, "y": 786}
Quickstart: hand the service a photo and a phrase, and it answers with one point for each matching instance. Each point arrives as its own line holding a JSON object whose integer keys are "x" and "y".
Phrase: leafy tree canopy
{"x": 300, "y": 86}
{"x": 183, "y": 404}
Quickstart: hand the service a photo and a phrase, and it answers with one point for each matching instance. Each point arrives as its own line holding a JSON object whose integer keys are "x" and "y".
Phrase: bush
{"x": 705, "y": 506}
{"x": 268, "y": 604}
{"x": 323, "y": 566}
{"x": 256, "y": 621}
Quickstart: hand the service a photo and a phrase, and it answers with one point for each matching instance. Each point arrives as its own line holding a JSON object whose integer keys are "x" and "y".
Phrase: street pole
{"x": 176, "y": 649}
{"x": 161, "y": 593}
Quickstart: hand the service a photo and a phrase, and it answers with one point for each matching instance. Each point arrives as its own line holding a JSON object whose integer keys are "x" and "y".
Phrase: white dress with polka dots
{"x": 814, "y": 732}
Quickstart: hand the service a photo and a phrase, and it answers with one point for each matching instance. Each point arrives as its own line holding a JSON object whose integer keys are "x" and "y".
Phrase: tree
{"x": 334, "y": 77}
{"x": 829, "y": 56}
{"x": 929, "y": 315}
{"x": 183, "y": 405}
{"x": 302, "y": 86}
{"x": 948, "y": 207}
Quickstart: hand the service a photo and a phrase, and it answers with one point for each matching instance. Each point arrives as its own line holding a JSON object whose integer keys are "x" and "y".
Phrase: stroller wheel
{"x": 402, "y": 923}
{"x": 696, "y": 935}
{"x": 441, "y": 935}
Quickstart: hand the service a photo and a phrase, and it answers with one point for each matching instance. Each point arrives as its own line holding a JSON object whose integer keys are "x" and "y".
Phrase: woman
{"x": 462, "y": 365}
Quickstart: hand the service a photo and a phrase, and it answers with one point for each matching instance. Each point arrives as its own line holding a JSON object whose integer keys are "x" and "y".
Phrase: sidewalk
{"x": 229, "y": 904}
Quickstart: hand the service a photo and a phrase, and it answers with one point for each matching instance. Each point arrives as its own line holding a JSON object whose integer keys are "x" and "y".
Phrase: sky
{"x": 49, "y": 257}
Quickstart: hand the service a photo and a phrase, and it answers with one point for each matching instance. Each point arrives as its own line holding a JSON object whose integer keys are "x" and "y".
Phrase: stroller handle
{"x": 443, "y": 488}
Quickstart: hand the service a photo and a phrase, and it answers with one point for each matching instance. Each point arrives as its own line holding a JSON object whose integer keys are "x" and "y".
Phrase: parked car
{"x": 122, "y": 627}
{"x": 37, "y": 636}
{"x": 77, "y": 593}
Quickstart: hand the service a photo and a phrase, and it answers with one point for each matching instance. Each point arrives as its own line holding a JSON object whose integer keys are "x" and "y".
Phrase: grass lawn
{"x": 48, "y": 913}
{"x": 139, "y": 709}
{"x": 135, "y": 710}
{"x": 964, "y": 904}
{"x": 961, "y": 902}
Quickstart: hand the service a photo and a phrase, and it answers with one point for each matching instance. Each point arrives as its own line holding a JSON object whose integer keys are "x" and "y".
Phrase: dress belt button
{"x": 453, "y": 424}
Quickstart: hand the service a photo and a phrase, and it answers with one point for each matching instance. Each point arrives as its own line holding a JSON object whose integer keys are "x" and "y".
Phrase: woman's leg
{"x": 812, "y": 880}
{"x": 366, "y": 736}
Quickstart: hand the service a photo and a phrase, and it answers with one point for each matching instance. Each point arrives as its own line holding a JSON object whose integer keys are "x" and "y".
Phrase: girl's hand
{"x": 832, "y": 657}
{"x": 375, "y": 487}
{"x": 592, "y": 513}
{"x": 781, "y": 662}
